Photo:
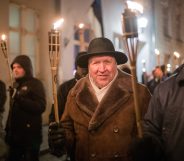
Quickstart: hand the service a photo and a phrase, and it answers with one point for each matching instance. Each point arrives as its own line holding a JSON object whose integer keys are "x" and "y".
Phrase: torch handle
{"x": 136, "y": 101}
{"x": 54, "y": 90}
{"x": 9, "y": 69}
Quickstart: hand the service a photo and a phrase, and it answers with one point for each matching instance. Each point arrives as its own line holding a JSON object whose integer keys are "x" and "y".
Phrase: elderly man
{"x": 99, "y": 119}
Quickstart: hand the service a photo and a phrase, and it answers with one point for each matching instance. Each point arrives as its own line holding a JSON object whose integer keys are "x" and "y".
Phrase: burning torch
{"x": 130, "y": 35}
{"x": 5, "y": 54}
{"x": 54, "y": 55}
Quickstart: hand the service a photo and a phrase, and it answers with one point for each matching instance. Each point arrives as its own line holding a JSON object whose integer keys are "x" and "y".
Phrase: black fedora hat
{"x": 101, "y": 46}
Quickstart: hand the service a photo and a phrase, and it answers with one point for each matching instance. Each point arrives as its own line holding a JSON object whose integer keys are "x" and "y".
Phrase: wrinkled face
{"x": 18, "y": 71}
{"x": 102, "y": 70}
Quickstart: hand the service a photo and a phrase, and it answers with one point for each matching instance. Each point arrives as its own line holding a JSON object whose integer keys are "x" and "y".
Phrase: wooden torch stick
{"x": 54, "y": 49}
{"x": 130, "y": 35}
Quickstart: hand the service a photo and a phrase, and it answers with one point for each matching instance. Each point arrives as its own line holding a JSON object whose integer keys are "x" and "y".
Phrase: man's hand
{"x": 56, "y": 138}
{"x": 11, "y": 90}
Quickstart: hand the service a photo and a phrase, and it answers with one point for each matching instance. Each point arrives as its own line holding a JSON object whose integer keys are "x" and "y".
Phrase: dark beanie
{"x": 25, "y": 63}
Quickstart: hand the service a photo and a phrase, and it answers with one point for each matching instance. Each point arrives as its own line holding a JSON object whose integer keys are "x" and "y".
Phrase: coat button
{"x": 116, "y": 155}
{"x": 93, "y": 155}
{"x": 116, "y": 130}
{"x": 28, "y": 125}
{"x": 92, "y": 132}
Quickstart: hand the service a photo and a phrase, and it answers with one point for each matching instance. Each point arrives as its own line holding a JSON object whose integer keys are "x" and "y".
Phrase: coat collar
{"x": 179, "y": 73}
{"x": 118, "y": 94}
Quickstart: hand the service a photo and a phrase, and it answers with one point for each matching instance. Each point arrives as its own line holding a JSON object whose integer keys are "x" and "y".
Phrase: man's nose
{"x": 101, "y": 67}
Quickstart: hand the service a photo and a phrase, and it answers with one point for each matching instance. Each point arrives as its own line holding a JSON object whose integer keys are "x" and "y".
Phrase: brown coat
{"x": 102, "y": 131}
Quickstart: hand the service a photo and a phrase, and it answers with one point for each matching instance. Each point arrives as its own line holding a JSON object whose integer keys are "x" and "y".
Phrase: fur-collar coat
{"x": 102, "y": 131}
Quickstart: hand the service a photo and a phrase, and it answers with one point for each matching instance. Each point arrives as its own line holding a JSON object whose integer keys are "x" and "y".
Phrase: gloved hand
{"x": 11, "y": 91}
{"x": 56, "y": 139}
{"x": 146, "y": 149}
{"x": 3, "y": 149}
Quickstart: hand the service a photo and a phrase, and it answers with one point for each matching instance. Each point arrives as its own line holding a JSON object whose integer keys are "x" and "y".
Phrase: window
{"x": 23, "y": 27}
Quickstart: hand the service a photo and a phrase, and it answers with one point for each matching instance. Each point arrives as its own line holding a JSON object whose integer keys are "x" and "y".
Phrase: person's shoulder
{"x": 127, "y": 78}
{"x": 35, "y": 79}
{"x": 68, "y": 82}
{"x": 167, "y": 86}
{"x": 123, "y": 76}
{"x": 178, "y": 75}
{"x": 34, "y": 82}
{"x": 2, "y": 83}
{"x": 81, "y": 84}
{"x": 67, "y": 85}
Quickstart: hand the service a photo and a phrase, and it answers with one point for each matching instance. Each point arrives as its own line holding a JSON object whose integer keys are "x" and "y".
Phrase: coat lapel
{"x": 86, "y": 99}
{"x": 116, "y": 96}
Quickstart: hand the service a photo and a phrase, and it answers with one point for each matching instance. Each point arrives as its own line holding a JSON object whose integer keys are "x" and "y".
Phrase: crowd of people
{"x": 97, "y": 112}
{"x": 158, "y": 75}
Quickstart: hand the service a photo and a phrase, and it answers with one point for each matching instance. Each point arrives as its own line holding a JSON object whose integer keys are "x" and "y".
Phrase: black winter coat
{"x": 164, "y": 120}
{"x": 24, "y": 122}
{"x": 2, "y": 95}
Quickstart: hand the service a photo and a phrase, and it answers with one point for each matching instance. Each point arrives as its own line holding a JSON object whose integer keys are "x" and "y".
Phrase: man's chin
{"x": 18, "y": 77}
{"x": 102, "y": 84}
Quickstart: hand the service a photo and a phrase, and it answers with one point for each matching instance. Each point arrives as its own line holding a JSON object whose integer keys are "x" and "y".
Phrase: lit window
{"x": 23, "y": 37}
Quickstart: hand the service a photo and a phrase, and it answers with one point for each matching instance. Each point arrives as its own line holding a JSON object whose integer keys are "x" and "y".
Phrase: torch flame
{"x": 176, "y": 54}
{"x": 81, "y": 25}
{"x": 135, "y": 6}
{"x": 58, "y": 23}
{"x": 157, "y": 52}
{"x": 3, "y": 37}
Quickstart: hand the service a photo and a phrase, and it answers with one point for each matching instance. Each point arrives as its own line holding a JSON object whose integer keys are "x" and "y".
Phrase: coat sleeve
{"x": 153, "y": 119}
{"x": 2, "y": 95}
{"x": 34, "y": 100}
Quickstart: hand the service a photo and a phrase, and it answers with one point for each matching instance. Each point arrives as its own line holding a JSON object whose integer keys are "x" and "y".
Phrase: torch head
{"x": 129, "y": 24}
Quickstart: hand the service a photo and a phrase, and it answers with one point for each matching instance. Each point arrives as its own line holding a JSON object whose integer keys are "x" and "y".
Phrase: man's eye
{"x": 107, "y": 62}
{"x": 95, "y": 63}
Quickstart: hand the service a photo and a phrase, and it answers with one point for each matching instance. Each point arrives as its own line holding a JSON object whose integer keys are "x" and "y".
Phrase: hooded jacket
{"x": 24, "y": 121}
{"x": 102, "y": 131}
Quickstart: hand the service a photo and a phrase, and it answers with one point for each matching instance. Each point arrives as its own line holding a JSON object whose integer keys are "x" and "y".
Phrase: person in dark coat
{"x": 164, "y": 122}
{"x": 157, "y": 78}
{"x": 98, "y": 122}
{"x": 2, "y": 95}
{"x": 3, "y": 146}
{"x": 63, "y": 91}
{"x": 24, "y": 124}
{"x": 65, "y": 87}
